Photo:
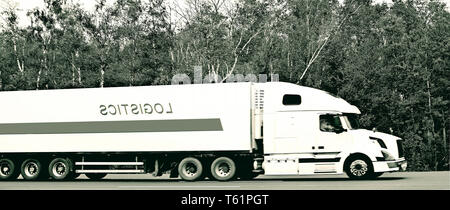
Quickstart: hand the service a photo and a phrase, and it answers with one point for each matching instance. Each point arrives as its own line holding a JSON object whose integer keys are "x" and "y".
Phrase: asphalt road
{"x": 389, "y": 181}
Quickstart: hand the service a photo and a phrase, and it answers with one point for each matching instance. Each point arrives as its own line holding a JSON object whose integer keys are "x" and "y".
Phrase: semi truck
{"x": 217, "y": 131}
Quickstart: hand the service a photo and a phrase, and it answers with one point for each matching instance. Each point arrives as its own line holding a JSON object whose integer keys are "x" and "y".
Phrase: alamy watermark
{"x": 215, "y": 78}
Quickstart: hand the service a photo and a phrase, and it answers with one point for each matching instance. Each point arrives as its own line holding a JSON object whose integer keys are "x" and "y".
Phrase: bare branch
{"x": 236, "y": 54}
{"x": 326, "y": 39}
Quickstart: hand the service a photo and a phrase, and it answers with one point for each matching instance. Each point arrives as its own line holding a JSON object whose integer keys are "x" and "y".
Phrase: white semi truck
{"x": 221, "y": 131}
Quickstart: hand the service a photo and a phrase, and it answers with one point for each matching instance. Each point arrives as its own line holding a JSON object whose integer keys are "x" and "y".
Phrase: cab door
{"x": 330, "y": 141}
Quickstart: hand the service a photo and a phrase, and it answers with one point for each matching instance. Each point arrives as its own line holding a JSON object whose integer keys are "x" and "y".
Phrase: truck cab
{"x": 309, "y": 131}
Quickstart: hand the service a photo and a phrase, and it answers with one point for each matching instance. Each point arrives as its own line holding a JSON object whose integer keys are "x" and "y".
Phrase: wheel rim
{"x": 359, "y": 168}
{"x": 5, "y": 169}
{"x": 223, "y": 169}
{"x": 31, "y": 169}
{"x": 59, "y": 169}
{"x": 190, "y": 169}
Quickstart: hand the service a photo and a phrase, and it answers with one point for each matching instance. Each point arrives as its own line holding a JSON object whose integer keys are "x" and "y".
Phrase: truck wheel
{"x": 96, "y": 176}
{"x": 32, "y": 169}
{"x": 359, "y": 167}
{"x": 223, "y": 169}
{"x": 8, "y": 170}
{"x": 60, "y": 168}
{"x": 190, "y": 169}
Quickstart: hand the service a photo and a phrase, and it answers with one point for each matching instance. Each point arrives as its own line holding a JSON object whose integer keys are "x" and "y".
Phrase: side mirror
{"x": 374, "y": 129}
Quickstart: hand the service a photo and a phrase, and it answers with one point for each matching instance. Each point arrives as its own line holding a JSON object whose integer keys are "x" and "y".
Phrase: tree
{"x": 214, "y": 37}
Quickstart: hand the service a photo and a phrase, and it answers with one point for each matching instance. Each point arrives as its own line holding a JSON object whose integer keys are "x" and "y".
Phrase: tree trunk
{"x": 444, "y": 127}
{"x": 102, "y": 75}
{"x": 19, "y": 64}
{"x": 73, "y": 71}
{"x": 38, "y": 79}
{"x": 77, "y": 55}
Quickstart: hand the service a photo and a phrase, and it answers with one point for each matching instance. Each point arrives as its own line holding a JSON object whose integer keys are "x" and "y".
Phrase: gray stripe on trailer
{"x": 177, "y": 125}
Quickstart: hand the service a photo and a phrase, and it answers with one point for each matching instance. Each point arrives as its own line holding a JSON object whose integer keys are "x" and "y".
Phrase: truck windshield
{"x": 353, "y": 120}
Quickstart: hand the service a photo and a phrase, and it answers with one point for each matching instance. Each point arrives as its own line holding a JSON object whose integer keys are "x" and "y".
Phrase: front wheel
{"x": 359, "y": 167}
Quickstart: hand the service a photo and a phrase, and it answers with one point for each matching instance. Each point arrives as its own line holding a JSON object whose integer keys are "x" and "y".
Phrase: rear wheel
{"x": 190, "y": 169}
{"x": 60, "y": 168}
{"x": 8, "y": 169}
{"x": 33, "y": 169}
{"x": 223, "y": 169}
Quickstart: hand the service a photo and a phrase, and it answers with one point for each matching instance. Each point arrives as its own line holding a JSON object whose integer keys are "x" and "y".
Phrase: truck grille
{"x": 400, "y": 148}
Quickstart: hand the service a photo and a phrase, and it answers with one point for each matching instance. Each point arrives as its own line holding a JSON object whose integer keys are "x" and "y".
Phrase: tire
{"x": 32, "y": 169}
{"x": 96, "y": 176}
{"x": 223, "y": 169}
{"x": 8, "y": 170}
{"x": 60, "y": 169}
{"x": 190, "y": 169}
{"x": 359, "y": 168}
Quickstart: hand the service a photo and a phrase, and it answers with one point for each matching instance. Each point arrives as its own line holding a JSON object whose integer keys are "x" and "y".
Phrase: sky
{"x": 25, "y": 5}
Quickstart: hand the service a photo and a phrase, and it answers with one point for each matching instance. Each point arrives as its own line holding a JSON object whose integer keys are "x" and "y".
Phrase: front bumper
{"x": 390, "y": 166}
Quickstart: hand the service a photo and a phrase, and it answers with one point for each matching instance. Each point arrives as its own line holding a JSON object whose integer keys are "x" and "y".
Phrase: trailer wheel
{"x": 32, "y": 169}
{"x": 8, "y": 170}
{"x": 190, "y": 169}
{"x": 223, "y": 169}
{"x": 60, "y": 168}
{"x": 359, "y": 167}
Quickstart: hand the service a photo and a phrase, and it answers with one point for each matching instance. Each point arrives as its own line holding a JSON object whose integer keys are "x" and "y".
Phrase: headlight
{"x": 387, "y": 156}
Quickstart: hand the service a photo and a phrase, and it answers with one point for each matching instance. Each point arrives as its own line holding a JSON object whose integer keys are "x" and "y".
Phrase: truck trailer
{"x": 217, "y": 131}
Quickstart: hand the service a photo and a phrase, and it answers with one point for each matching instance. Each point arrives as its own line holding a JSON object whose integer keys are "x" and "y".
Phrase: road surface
{"x": 389, "y": 181}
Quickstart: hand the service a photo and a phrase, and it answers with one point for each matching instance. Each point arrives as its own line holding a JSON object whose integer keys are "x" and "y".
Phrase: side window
{"x": 291, "y": 99}
{"x": 330, "y": 123}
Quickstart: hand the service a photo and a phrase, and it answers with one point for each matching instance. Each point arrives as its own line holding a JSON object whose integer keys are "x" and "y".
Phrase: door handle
{"x": 321, "y": 147}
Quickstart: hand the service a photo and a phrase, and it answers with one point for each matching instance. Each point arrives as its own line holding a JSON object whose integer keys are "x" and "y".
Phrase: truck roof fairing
{"x": 312, "y": 99}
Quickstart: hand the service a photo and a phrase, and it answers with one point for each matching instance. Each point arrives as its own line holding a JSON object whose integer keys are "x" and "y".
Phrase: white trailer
{"x": 220, "y": 131}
